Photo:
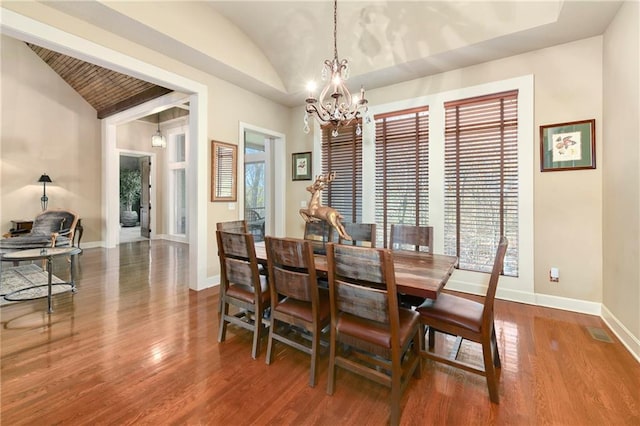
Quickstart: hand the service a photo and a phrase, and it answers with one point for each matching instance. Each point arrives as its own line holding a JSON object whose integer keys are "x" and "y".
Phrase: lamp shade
{"x": 158, "y": 140}
{"x": 44, "y": 178}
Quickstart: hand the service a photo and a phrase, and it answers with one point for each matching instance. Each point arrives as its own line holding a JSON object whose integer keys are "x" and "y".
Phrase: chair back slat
{"x": 369, "y": 303}
{"x": 293, "y": 267}
{"x": 235, "y": 244}
{"x": 238, "y": 259}
{"x": 359, "y": 265}
{"x": 362, "y": 234}
{"x": 364, "y": 281}
{"x": 237, "y": 226}
{"x": 319, "y": 233}
{"x": 411, "y": 237}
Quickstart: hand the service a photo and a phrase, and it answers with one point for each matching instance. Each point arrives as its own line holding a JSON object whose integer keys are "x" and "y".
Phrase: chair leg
{"x": 223, "y": 323}
{"x": 396, "y": 394}
{"x": 257, "y": 333}
{"x": 415, "y": 347}
{"x": 432, "y": 338}
{"x": 332, "y": 364}
{"x": 315, "y": 344}
{"x": 496, "y": 352}
{"x": 490, "y": 372}
{"x": 270, "y": 342}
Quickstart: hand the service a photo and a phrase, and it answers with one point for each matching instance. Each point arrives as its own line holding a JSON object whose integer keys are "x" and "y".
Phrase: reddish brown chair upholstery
{"x": 469, "y": 320}
{"x": 242, "y": 286}
{"x": 370, "y": 335}
{"x": 362, "y": 234}
{"x": 296, "y": 300}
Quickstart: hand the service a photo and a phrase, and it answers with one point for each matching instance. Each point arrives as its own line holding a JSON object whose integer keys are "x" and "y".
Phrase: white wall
{"x": 621, "y": 181}
{"x": 47, "y": 127}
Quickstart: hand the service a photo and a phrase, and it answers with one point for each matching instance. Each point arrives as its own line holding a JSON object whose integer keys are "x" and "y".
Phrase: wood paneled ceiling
{"x": 109, "y": 92}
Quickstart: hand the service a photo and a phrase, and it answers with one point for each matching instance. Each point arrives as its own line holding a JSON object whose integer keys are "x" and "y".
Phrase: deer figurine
{"x": 315, "y": 211}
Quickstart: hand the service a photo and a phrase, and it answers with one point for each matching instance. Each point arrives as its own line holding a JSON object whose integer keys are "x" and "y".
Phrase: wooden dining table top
{"x": 417, "y": 273}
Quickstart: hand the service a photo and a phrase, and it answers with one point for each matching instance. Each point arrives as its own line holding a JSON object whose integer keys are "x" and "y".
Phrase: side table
{"x": 46, "y": 254}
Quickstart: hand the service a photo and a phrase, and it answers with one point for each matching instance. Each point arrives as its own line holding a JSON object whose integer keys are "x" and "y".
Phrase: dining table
{"x": 417, "y": 273}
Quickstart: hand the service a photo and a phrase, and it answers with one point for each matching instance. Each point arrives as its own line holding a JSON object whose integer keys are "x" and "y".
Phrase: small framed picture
{"x": 301, "y": 166}
{"x": 568, "y": 146}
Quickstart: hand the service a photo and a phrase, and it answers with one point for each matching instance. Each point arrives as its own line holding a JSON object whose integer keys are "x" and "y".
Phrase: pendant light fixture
{"x": 158, "y": 140}
{"x": 335, "y": 104}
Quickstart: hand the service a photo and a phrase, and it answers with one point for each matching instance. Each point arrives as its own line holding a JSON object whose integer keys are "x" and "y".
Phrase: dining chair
{"x": 242, "y": 286}
{"x": 319, "y": 233}
{"x": 362, "y": 234}
{"x": 296, "y": 300}
{"x": 411, "y": 237}
{"x": 468, "y": 320}
{"x": 370, "y": 334}
{"x": 233, "y": 226}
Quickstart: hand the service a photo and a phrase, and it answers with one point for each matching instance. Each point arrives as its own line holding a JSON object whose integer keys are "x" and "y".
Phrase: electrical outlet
{"x": 554, "y": 275}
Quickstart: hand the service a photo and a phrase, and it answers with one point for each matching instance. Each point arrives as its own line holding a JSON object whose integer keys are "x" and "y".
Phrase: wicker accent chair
{"x": 51, "y": 228}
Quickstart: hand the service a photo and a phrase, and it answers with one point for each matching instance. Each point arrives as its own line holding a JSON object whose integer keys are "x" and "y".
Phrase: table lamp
{"x": 44, "y": 199}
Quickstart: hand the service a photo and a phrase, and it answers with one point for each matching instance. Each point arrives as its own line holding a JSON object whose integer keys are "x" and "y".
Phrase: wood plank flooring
{"x": 135, "y": 346}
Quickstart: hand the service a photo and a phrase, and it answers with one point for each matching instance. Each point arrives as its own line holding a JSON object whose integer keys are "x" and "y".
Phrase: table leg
{"x": 72, "y": 276}
{"x": 49, "y": 269}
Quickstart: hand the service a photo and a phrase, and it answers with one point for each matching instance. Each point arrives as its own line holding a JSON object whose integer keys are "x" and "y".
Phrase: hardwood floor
{"x": 135, "y": 346}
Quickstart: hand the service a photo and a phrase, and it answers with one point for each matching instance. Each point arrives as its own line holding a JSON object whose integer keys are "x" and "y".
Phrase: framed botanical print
{"x": 568, "y": 146}
{"x": 301, "y": 166}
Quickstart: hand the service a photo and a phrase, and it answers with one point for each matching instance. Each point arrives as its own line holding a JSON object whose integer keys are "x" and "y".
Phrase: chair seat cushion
{"x": 454, "y": 310}
{"x": 302, "y": 310}
{"x": 245, "y": 293}
{"x": 378, "y": 333}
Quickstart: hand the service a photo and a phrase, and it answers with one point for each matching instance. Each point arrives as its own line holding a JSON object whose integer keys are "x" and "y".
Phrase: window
{"x": 342, "y": 154}
{"x": 177, "y": 182}
{"x": 481, "y": 180}
{"x": 402, "y": 170}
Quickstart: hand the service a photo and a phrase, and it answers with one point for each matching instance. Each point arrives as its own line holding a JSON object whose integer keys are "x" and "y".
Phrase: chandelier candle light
{"x": 335, "y": 105}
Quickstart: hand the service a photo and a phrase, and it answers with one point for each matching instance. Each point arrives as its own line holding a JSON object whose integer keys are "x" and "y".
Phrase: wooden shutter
{"x": 402, "y": 170}
{"x": 481, "y": 180}
{"x": 342, "y": 154}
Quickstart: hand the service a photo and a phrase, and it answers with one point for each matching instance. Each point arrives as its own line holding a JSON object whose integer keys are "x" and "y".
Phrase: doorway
{"x": 135, "y": 197}
{"x": 263, "y": 170}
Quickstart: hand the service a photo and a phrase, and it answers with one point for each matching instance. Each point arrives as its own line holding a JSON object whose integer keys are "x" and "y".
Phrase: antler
{"x": 327, "y": 178}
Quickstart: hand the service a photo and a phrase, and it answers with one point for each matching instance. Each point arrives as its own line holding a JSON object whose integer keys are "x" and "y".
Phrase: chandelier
{"x": 335, "y": 104}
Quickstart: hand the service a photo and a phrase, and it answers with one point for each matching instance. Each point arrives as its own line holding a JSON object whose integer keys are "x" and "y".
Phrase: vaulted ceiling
{"x": 109, "y": 92}
{"x": 274, "y": 47}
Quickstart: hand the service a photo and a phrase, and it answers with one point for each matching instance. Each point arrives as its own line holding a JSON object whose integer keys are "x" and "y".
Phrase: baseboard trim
{"x": 622, "y": 333}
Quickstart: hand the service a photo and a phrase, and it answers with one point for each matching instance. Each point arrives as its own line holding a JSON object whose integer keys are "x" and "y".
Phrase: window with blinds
{"x": 481, "y": 180}
{"x": 402, "y": 170}
{"x": 342, "y": 154}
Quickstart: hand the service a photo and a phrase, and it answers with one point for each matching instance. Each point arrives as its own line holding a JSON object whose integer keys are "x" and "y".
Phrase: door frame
{"x": 153, "y": 219}
{"x": 24, "y": 28}
{"x": 278, "y": 170}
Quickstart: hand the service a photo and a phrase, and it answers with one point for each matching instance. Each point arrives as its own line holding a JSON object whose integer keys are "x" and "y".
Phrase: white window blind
{"x": 481, "y": 180}
{"x": 342, "y": 154}
{"x": 402, "y": 170}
